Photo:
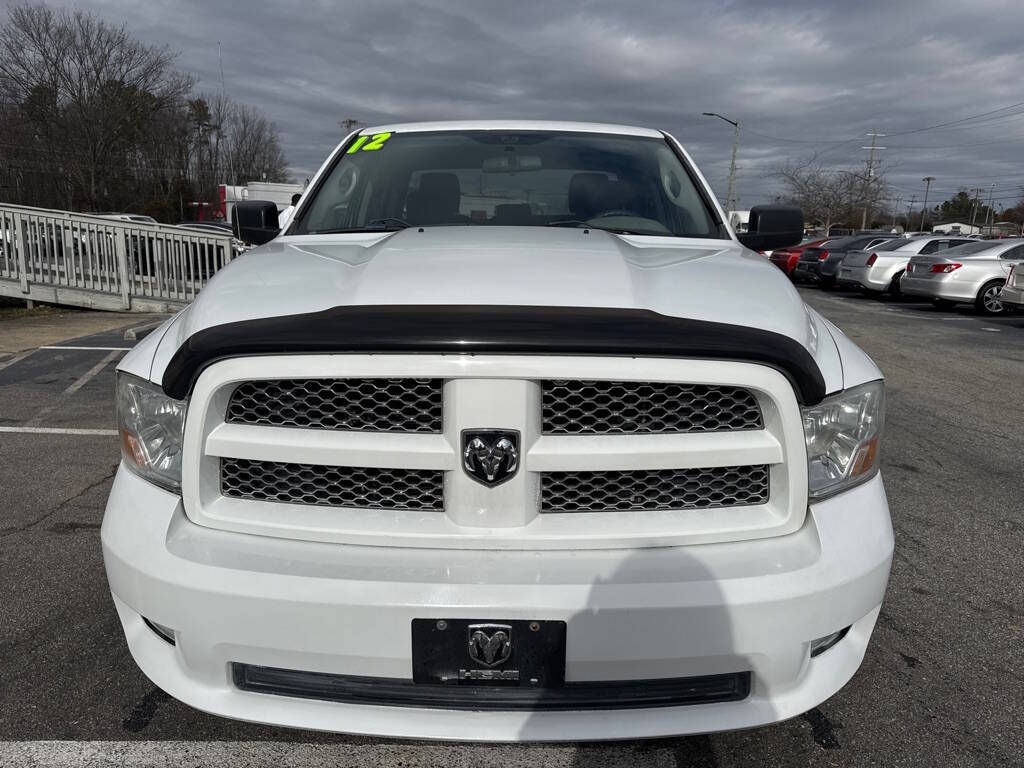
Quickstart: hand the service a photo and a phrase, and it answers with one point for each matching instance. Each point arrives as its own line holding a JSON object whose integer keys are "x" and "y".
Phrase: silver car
{"x": 969, "y": 274}
{"x": 880, "y": 269}
{"x": 1012, "y": 294}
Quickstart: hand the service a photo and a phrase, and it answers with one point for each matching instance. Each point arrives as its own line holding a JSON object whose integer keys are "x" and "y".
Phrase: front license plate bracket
{"x": 478, "y": 652}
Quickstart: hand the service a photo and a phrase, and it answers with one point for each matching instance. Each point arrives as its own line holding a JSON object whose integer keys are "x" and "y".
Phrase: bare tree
{"x": 92, "y": 119}
{"x": 830, "y": 196}
{"x": 89, "y": 90}
{"x": 826, "y": 196}
{"x": 254, "y": 146}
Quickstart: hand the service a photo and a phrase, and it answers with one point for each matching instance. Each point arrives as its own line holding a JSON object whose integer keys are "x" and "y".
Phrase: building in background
{"x": 256, "y": 190}
{"x": 956, "y": 228}
{"x": 739, "y": 221}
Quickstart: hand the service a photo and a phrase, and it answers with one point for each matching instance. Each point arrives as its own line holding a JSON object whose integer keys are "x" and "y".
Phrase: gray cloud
{"x": 797, "y": 74}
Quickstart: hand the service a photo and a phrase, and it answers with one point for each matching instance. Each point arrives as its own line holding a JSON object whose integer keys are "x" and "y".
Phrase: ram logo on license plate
{"x": 500, "y": 652}
{"x": 490, "y": 644}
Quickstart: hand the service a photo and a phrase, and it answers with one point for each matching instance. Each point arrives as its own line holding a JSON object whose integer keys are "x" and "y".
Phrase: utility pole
{"x": 924, "y": 206}
{"x": 868, "y": 176}
{"x": 990, "y": 212}
{"x": 730, "y": 202}
{"x": 895, "y": 210}
{"x": 974, "y": 207}
{"x": 910, "y": 210}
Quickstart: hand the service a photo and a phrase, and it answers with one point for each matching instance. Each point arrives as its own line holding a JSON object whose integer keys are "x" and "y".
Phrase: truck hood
{"x": 700, "y": 279}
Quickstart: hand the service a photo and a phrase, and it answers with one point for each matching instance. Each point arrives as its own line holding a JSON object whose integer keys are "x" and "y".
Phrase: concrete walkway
{"x": 32, "y": 330}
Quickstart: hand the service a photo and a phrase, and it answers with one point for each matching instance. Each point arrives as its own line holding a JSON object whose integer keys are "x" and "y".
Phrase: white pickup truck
{"x": 507, "y": 436}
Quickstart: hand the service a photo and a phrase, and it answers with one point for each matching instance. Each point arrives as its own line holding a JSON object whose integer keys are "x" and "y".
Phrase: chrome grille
{"x": 654, "y": 490}
{"x": 371, "y": 405}
{"x": 363, "y": 487}
{"x": 576, "y": 407}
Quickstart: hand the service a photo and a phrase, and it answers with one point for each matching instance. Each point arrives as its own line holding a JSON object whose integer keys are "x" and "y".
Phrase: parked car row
{"x": 948, "y": 269}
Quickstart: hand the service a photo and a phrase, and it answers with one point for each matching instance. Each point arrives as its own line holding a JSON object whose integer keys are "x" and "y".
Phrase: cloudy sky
{"x": 801, "y": 76}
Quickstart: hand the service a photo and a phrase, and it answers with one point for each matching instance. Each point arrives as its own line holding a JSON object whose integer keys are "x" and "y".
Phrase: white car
{"x": 970, "y": 274}
{"x": 506, "y": 437}
{"x": 1012, "y": 293}
{"x": 133, "y": 218}
{"x": 880, "y": 269}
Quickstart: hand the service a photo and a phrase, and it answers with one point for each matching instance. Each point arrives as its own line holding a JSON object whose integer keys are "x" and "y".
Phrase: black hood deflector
{"x": 468, "y": 329}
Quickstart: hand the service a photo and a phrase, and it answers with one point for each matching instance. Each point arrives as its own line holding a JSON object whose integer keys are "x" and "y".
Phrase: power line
{"x": 956, "y": 122}
{"x": 936, "y": 126}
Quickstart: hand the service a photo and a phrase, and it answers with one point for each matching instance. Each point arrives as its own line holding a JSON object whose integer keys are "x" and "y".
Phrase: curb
{"x": 141, "y": 331}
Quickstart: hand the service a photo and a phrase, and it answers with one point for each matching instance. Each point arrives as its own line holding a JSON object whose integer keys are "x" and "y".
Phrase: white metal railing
{"x": 83, "y": 260}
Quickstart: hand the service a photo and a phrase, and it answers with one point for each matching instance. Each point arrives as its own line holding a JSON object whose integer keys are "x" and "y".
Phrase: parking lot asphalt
{"x": 942, "y": 683}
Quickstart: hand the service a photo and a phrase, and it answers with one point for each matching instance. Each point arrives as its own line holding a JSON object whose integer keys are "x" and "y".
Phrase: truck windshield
{"x": 627, "y": 184}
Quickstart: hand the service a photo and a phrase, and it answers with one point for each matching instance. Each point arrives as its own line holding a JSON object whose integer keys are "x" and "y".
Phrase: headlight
{"x": 842, "y": 435}
{"x": 151, "y": 426}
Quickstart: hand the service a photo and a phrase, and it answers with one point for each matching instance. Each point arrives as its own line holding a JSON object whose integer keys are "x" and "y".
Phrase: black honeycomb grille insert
{"x": 577, "y": 407}
{"x": 361, "y": 405}
{"x": 654, "y": 490}
{"x": 312, "y": 484}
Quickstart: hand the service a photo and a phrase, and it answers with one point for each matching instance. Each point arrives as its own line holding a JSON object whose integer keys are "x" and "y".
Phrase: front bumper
{"x": 632, "y": 614}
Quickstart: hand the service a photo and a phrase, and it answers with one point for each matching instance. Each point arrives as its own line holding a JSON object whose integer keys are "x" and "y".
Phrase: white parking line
{"x": 85, "y": 377}
{"x": 16, "y": 359}
{"x": 57, "y": 431}
{"x": 94, "y": 349}
{"x": 993, "y": 330}
{"x": 76, "y": 385}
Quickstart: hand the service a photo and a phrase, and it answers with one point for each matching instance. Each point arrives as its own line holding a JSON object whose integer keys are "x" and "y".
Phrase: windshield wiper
{"x": 589, "y": 225}
{"x": 385, "y": 224}
{"x": 389, "y": 221}
{"x": 613, "y": 230}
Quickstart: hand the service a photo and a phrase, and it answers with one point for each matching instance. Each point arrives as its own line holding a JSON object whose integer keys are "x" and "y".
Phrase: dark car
{"x": 820, "y": 263}
{"x": 787, "y": 258}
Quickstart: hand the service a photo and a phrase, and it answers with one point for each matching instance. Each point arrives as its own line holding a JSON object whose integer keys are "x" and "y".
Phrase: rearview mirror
{"x": 773, "y": 226}
{"x": 510, "y": 163}
{"x": 255, "y": 221}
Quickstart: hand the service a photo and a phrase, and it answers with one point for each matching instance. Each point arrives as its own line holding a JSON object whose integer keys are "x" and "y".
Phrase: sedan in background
{"x": 821, "y": 263}
{"x": 133, "y": 218}
{"x": 787, "y": 258}
{"x": 1012, "y": 294}
{"x": 970, "y": 274}
{"x": 213, "y": 227}
{"x": 880, "y": 269}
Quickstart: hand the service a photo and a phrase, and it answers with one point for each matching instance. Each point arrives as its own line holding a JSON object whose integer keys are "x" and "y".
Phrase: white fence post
{"x": 21, "y": 249}
{"x": 122, "y": 268}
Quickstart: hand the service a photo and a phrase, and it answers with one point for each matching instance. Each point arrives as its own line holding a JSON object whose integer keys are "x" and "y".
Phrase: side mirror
{"x": 773, "y": 226}
{"x": 255, "y": 221}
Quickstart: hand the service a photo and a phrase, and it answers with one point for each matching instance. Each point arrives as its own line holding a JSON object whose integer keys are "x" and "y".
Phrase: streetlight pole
{"x": 895, "y": 210}
{"x": 730, "y": 203}
{"x": 924, "y": 206}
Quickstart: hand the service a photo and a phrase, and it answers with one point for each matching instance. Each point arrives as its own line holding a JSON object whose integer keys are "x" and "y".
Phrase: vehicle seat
{"x": 436, "y": 201}
{"x": 587, "y": 194}
{"x": 512, "y": 214}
